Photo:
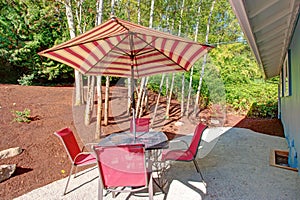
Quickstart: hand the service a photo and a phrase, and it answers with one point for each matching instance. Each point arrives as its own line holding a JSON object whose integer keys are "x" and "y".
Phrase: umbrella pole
{"x": 132, "y": 86}
{"x": 133, "y": 102}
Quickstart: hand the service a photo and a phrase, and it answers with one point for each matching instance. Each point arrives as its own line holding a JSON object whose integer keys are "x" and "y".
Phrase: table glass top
{"x": 150, "y": 139}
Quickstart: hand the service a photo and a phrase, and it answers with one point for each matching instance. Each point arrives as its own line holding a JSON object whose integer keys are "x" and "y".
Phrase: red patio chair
{"x": 188, "y": 154}
{"x": 141, "y": 125}
{"x": 77, "y": 156}
{"x": 121, "y": 167}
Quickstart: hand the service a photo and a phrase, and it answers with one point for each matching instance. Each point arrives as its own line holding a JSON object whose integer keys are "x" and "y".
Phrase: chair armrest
{"x": 88, "y": 145}
{"x": 84, "y": 153}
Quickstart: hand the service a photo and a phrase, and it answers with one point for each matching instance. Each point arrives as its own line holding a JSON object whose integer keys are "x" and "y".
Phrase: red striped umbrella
{"x": 124, "y": 49}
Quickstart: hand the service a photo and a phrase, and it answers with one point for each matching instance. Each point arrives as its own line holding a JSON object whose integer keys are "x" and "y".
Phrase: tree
{"x": 173, "y": 74}
{"x": 78, "y": 76}
{"x": 192, "y": 68}
{"x": 183, "y": 78}
{"x": 157, "y": 102}
{"x": 26, "y": 28}
{"x": 144, "y": 81}
{"x": 99, "y": 7}
{"x": 204, "y": 60}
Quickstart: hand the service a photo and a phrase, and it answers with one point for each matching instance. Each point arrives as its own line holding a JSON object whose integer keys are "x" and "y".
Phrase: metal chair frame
{"x": 190, "y": 151}
{"x": 119, "y": 187}
{"x": 77, "y": 157}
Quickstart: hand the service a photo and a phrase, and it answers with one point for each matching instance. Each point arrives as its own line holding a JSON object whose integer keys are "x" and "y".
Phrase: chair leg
{"x": 161, "y": 189}
{"x": 150, "y": 188}
{"x": 100, "y": 191}
{"x": 75, "y": 174}
{"x": 113, "y": 193}
{"x": 68, "y": 179}
{"x": 197, "y": 168}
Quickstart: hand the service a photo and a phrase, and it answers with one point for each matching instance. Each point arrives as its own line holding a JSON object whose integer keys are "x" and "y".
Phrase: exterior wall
{"x": 290, "y": 106}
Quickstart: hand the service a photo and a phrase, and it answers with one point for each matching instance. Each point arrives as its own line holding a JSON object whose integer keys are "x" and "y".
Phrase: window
{"x": 285, "y": 77}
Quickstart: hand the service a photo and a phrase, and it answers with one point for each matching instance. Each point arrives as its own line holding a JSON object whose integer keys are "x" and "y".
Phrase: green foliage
{"x": 236, "y": 63}
{"x": 245, "y": 88}
{"x": 26, "y": 79}
{"x": 29, "y": 27}
{"x": 243, "y": 96}
{"x": 264, "y": 110}
{"x": 22, "y": 116}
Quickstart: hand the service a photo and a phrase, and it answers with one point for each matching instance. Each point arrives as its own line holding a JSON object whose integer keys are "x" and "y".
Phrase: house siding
{"x": 290, "y": 105}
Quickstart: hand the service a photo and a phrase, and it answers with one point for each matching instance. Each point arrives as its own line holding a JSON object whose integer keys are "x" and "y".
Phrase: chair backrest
{"x": 122, "y": 165}
{"x": 141, "y": 125}
{"x": 193, "y": 148}
{"x": 69, "y": 141}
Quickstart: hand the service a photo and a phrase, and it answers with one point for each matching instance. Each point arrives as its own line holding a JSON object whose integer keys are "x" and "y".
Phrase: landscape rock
{"x": 179, "y": 123}
{"x": 6, "y": 171}
{"x": 10, "y": 152}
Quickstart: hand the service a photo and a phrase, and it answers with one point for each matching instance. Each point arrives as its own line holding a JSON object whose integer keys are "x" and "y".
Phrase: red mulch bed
{"x": 43, "y": 159}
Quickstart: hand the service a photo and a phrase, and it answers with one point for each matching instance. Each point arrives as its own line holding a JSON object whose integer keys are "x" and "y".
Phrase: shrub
{"x": 26, "y": 79}
{"x": 22, "y": 116}
{"x": 264, "y": 110}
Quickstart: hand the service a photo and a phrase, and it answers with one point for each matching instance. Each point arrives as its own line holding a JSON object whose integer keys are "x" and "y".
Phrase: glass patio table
{"x": 152, "y": 139}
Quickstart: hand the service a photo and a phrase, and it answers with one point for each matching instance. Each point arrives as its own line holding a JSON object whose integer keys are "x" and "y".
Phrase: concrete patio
{"x": 235, "y": 166}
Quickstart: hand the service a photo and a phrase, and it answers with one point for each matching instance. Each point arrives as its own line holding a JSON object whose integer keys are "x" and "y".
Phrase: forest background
{"x": 28, "y": 27}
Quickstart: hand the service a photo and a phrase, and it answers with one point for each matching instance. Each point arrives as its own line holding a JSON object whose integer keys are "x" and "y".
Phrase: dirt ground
{"x": 44, "y": 159}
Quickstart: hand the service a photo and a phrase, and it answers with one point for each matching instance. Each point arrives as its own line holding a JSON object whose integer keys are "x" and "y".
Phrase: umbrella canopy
{"x": 124, "y": 49}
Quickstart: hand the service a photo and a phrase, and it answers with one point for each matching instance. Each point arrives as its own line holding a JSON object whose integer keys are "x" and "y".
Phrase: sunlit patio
{"x": 236, "y": 166}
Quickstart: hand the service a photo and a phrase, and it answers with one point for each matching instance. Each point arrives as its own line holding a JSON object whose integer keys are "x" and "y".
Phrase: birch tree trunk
{"x": 182, "y": 110}
{"x": 144, "y": 80}
{"x": 99, "y": 6}
{"x": 91, "y": 79}
{"x": 139, "y": 12}
{"x": 106, "y": 102}
{"x": 151, "y": 14}
{"x": 90, "y": 101}
{"x": 79, "y": 15}
{"x": 189, "y": 91}
{"x": 173, "y": 75}
{"x": 204, "y": 61}
{"x": 112, "y": 12}
{"x": 167, "y": 87}
{"x": 140, "y": 94}
{"x": 170, "y": 97}
{"x": 157, "y": 101}
{"x": 192, "y": 68}
{"x": 78, "y": 75}
{"x": 99, "y": 108}
{"x": 144, "y": 98}
{"x": 183, "y": 78}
